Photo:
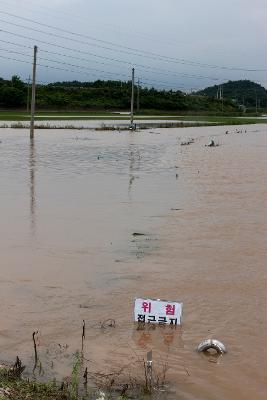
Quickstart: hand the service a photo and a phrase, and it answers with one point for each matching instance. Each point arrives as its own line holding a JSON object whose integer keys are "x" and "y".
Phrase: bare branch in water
{"x": 35, "y": 350}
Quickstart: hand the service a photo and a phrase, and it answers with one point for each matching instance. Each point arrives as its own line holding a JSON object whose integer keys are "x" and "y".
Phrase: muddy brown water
{"x": 70, "y": 202}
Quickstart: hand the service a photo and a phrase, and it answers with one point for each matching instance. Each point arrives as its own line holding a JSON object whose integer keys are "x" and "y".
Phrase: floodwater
{"x": 70, "y": 203}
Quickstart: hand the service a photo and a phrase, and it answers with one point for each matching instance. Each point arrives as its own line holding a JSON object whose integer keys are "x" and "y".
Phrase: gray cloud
{"x": 231, "y": 33}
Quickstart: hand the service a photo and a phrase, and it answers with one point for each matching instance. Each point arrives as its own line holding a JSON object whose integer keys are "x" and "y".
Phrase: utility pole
{"x": 33, "y": 92}
{"x": 138, "y": 97}
{"x": 256, "y": 102}
{"x": 132, "y": 100}
{"x": 28, "y": 95}
{"x": 222, "y": 97}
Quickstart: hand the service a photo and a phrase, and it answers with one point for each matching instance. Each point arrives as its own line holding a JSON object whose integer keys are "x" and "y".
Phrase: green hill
{"x": 242, "y": 92}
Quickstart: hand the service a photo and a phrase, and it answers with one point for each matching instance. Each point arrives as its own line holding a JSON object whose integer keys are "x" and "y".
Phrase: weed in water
{"x": 75, "y": 376}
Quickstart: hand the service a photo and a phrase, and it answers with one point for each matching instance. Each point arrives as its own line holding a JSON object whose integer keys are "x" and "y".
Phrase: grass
{"x": 140, "y": 125}
{"x": 17, "y": 388}
{"x": 134, "y": 380}
{"x": 82, "y": 115}
{"x": 42, "y": 115}
{"x": 120, "y": 385}
{"x": 75, "y": 376}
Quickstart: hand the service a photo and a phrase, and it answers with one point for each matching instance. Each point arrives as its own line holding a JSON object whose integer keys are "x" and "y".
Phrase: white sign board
{"x": 158, "y": 312}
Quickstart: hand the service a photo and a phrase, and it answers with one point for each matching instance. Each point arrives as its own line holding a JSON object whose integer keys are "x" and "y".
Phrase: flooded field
{"x": 71, "y": 202}
{"x": 96, "y": 123}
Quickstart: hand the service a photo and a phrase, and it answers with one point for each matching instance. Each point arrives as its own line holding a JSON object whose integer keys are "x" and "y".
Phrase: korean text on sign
{"x": 158, "y": 312}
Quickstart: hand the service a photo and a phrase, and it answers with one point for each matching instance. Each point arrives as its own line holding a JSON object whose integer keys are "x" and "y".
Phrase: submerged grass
{"x": 140, "y": 125}
{"x": 42, "y": 116}
{"x": 134, "y": 380}
{"x": 122, "y": 384}
{"x": 16, "y": 388}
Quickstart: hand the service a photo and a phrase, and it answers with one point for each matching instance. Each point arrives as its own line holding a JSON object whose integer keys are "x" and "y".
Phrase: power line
{"x": 144, "y": 82}
{"x": 51, "y": 67}
{"x": 107, "y": 58}
{"x": 81, "y": 67}
{"x": 82, "y": 73}
{"x": 80, "y": 41}
{"x": 64, "y": 63}
{"x": 133, "y": 51}
{"x": 145, "y": 68}
{"x": 82, "y": 17}
{"x": 73, "y": 71}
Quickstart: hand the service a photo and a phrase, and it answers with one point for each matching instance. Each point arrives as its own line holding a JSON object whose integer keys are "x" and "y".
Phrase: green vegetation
{"x": 175, "y": 121}
{"x": 83, "y": 384}
{"x": 16, "y": 388}
{"x": 243, "y": 93}
{"x": 104, "y": 95}
{"x": 103, "y": 100}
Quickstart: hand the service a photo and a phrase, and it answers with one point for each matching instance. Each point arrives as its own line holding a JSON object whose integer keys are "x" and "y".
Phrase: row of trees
{"x": 103, "y": 95}
{"x": 13, "y": 93}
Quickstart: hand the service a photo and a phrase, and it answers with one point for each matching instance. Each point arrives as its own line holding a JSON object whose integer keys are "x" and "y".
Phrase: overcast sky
{"x": 185, "y": 44}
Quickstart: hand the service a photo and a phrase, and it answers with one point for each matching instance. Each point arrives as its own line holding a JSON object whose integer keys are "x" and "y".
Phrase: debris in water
{"x": 212, "y": 344}
{"x": 108, "y": 323}
{"x": 212, "y": 144}
{"x": 35, "y": 350}
{"x": 188, "y": 142}
{"x": 139, "y": 234}
{"x": 101, "y": 396}
{"x": 83, "y": 333}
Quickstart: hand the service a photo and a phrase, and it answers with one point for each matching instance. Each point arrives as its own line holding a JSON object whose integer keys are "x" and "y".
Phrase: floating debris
{"x": 212, "y": 144}
{"x": 188, "y": 142}
{"x": 101, "y": 396}
{"x": 108, "y": 323}
{"x": 212, "y": 344}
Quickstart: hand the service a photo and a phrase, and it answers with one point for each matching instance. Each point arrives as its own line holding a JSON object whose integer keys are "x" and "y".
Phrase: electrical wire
{"x": 134, "y": 51}
{"x": 79, "y": 67}
{"x": 145, "y": 68}
{"x": 64, "y": 63}
{"x": 52, "y": 67}
{"x": 148, "y": 68}
{"x": 73, "y": 71}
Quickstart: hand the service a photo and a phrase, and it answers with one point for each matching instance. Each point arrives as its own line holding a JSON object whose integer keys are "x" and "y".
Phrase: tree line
{"x": 104, "y": 95}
